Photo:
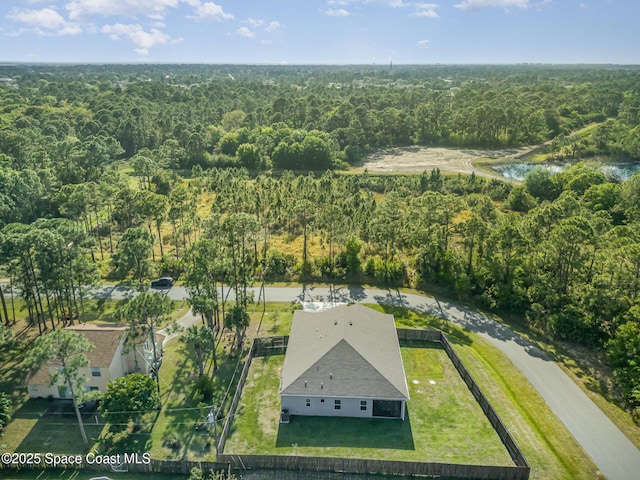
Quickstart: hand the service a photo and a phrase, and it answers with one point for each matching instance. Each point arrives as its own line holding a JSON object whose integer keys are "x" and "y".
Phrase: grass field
{"x": 31, "y": 428}
{"x": 549, "y": 448}
{"x": 36, "y": 428}
{"x": 444, "y": 422}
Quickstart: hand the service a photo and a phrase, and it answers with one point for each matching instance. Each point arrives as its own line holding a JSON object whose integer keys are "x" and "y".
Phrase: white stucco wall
{"x": 350, "y": 407}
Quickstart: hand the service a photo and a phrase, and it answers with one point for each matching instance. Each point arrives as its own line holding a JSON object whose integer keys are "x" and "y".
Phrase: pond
{"x": 519, "y": 170}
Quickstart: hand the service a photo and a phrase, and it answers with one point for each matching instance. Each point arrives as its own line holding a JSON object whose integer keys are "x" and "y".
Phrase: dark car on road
{"x": 162, "y": 282}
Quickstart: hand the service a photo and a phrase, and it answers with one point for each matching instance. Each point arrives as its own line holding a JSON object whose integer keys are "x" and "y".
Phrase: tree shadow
{"x": 130, "y": 439}
{"x": 56, "y": 428}
{"x": 186, "y": 431}
{"x": 346, "y": 432}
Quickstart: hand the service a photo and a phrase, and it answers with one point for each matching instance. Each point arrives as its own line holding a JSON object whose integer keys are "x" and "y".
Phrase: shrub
{"x": 172, "y": 441}
{"x": 279, "y": 264}
{"x": 5, "y": 410}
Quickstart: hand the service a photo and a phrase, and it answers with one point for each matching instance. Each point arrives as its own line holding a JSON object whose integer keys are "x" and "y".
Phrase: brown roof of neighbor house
{"x": 347, "y": 351}
{"x": 105, "y": 339}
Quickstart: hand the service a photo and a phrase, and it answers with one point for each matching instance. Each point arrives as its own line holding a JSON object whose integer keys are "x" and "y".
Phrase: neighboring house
{"x": 344, "y": 361}
{"x": 110, "y": 359}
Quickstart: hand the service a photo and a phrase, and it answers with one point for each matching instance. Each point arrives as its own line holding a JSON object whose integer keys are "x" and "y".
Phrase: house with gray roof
{"x": 344, "y": 361}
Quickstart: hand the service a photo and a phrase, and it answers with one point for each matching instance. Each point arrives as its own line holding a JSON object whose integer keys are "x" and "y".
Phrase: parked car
{"x": 162, "y": 282}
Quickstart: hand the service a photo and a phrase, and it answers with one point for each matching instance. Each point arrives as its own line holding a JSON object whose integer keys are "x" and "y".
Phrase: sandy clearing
{"x": 419, "y": 159}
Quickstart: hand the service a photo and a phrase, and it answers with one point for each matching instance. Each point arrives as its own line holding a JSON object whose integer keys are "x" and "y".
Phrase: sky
{"x": 320, "y": 31}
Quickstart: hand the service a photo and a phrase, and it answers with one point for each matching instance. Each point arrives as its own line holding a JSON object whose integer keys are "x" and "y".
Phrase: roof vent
{"x": 322, "y": 386}
{"x": 350, "y": 322}
{"x": 330, "y": 376}
{"x": 335, "y": 322}
{"x": 305, "y": 384}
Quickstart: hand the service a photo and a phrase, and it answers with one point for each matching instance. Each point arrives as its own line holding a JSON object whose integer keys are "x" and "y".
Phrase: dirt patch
{"x": 419, "y": 159}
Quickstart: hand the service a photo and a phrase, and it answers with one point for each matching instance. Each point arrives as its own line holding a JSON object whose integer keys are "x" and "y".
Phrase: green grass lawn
{"x": 35, "y": 428}
{"x": 549, "y": 448}
{"x": 95, "y": 311}
{"x": 30, "y": 430}
{"x": 444, "y": 422}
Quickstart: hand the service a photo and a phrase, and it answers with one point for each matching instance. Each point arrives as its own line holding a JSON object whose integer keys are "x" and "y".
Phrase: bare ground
{"x": 419, "y": 159}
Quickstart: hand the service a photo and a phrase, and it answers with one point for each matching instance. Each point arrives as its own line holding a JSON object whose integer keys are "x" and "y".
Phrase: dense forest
{"x": 236, "y": 175}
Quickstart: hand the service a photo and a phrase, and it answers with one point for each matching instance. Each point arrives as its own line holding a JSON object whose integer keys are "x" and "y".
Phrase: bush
{"x": 171, "y": 266}
{"x": 391, "y": 271}
{"x": 5, "y": 410}
{"x": 172, "y": 441}
{"x": 279, "y": 264}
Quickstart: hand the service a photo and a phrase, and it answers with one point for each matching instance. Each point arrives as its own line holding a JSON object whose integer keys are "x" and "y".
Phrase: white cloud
{"x": 480, "y": 4}
{"x": 142, "y": 40}
{"x": 258, "y": 24}
{"x": 211, "y": 11}
{"x": 84, "y": 9}
{"x": 45, "y": 21}
{"x": 255, "y": 22}
{"x": 422, "y": 44}
{"x": 340, "y": 12}
{"x": 584, "y": 5}
{"x": 70, "y": 29}
{"x": 426, "y": 10}
{"x": 273, "y": 27}
{"x": 45, "y": 18}
{"x": 245, "y": 32}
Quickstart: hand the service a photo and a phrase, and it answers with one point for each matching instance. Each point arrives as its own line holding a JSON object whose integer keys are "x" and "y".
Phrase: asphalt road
{"x": 616, "y": 457}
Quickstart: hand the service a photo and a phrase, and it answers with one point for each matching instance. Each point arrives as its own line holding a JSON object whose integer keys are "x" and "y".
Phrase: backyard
{"x": 550, "y": 449}
{"x": 444, "y": 422}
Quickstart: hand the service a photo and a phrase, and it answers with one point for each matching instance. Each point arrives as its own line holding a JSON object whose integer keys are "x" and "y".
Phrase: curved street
{"x": 616, "y": 457}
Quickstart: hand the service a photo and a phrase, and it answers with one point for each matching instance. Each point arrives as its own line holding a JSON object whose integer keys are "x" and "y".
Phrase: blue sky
{"x": 320, "y": 31}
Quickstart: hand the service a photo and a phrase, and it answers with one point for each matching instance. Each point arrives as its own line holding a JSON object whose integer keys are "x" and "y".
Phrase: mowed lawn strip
{"x": 550, "y": 449}
{"x": 444, "y": 422}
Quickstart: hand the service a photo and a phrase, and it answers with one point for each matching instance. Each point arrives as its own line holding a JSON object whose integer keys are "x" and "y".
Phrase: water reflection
{"x": 518, "y": 171}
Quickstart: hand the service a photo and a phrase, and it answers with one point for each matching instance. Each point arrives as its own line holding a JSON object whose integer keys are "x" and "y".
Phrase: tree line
{"x": 66, "y": 125}
{"x": 92, "y": 164}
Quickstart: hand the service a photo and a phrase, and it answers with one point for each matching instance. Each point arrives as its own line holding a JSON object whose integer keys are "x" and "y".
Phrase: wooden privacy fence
{"x": 378, "y": 467}
{"x": 274, "y": 345}
{"x": 152, "y": 466}
{"x": 510, "y": 444}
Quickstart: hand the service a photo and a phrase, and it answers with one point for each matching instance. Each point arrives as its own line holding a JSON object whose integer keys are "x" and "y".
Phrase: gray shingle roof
{"x": 347, "y": 351}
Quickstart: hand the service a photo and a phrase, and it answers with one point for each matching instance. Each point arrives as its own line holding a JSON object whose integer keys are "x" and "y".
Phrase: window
{"x": 363, "y": 405}
{"x": 33, "y": 388}
{"x": 322, "y": 400}
{"x": 308, "y": 402}
{"x": 95, "y": 372}
{"x": 337, "y": 404}
{"x": 93, "y": 389}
